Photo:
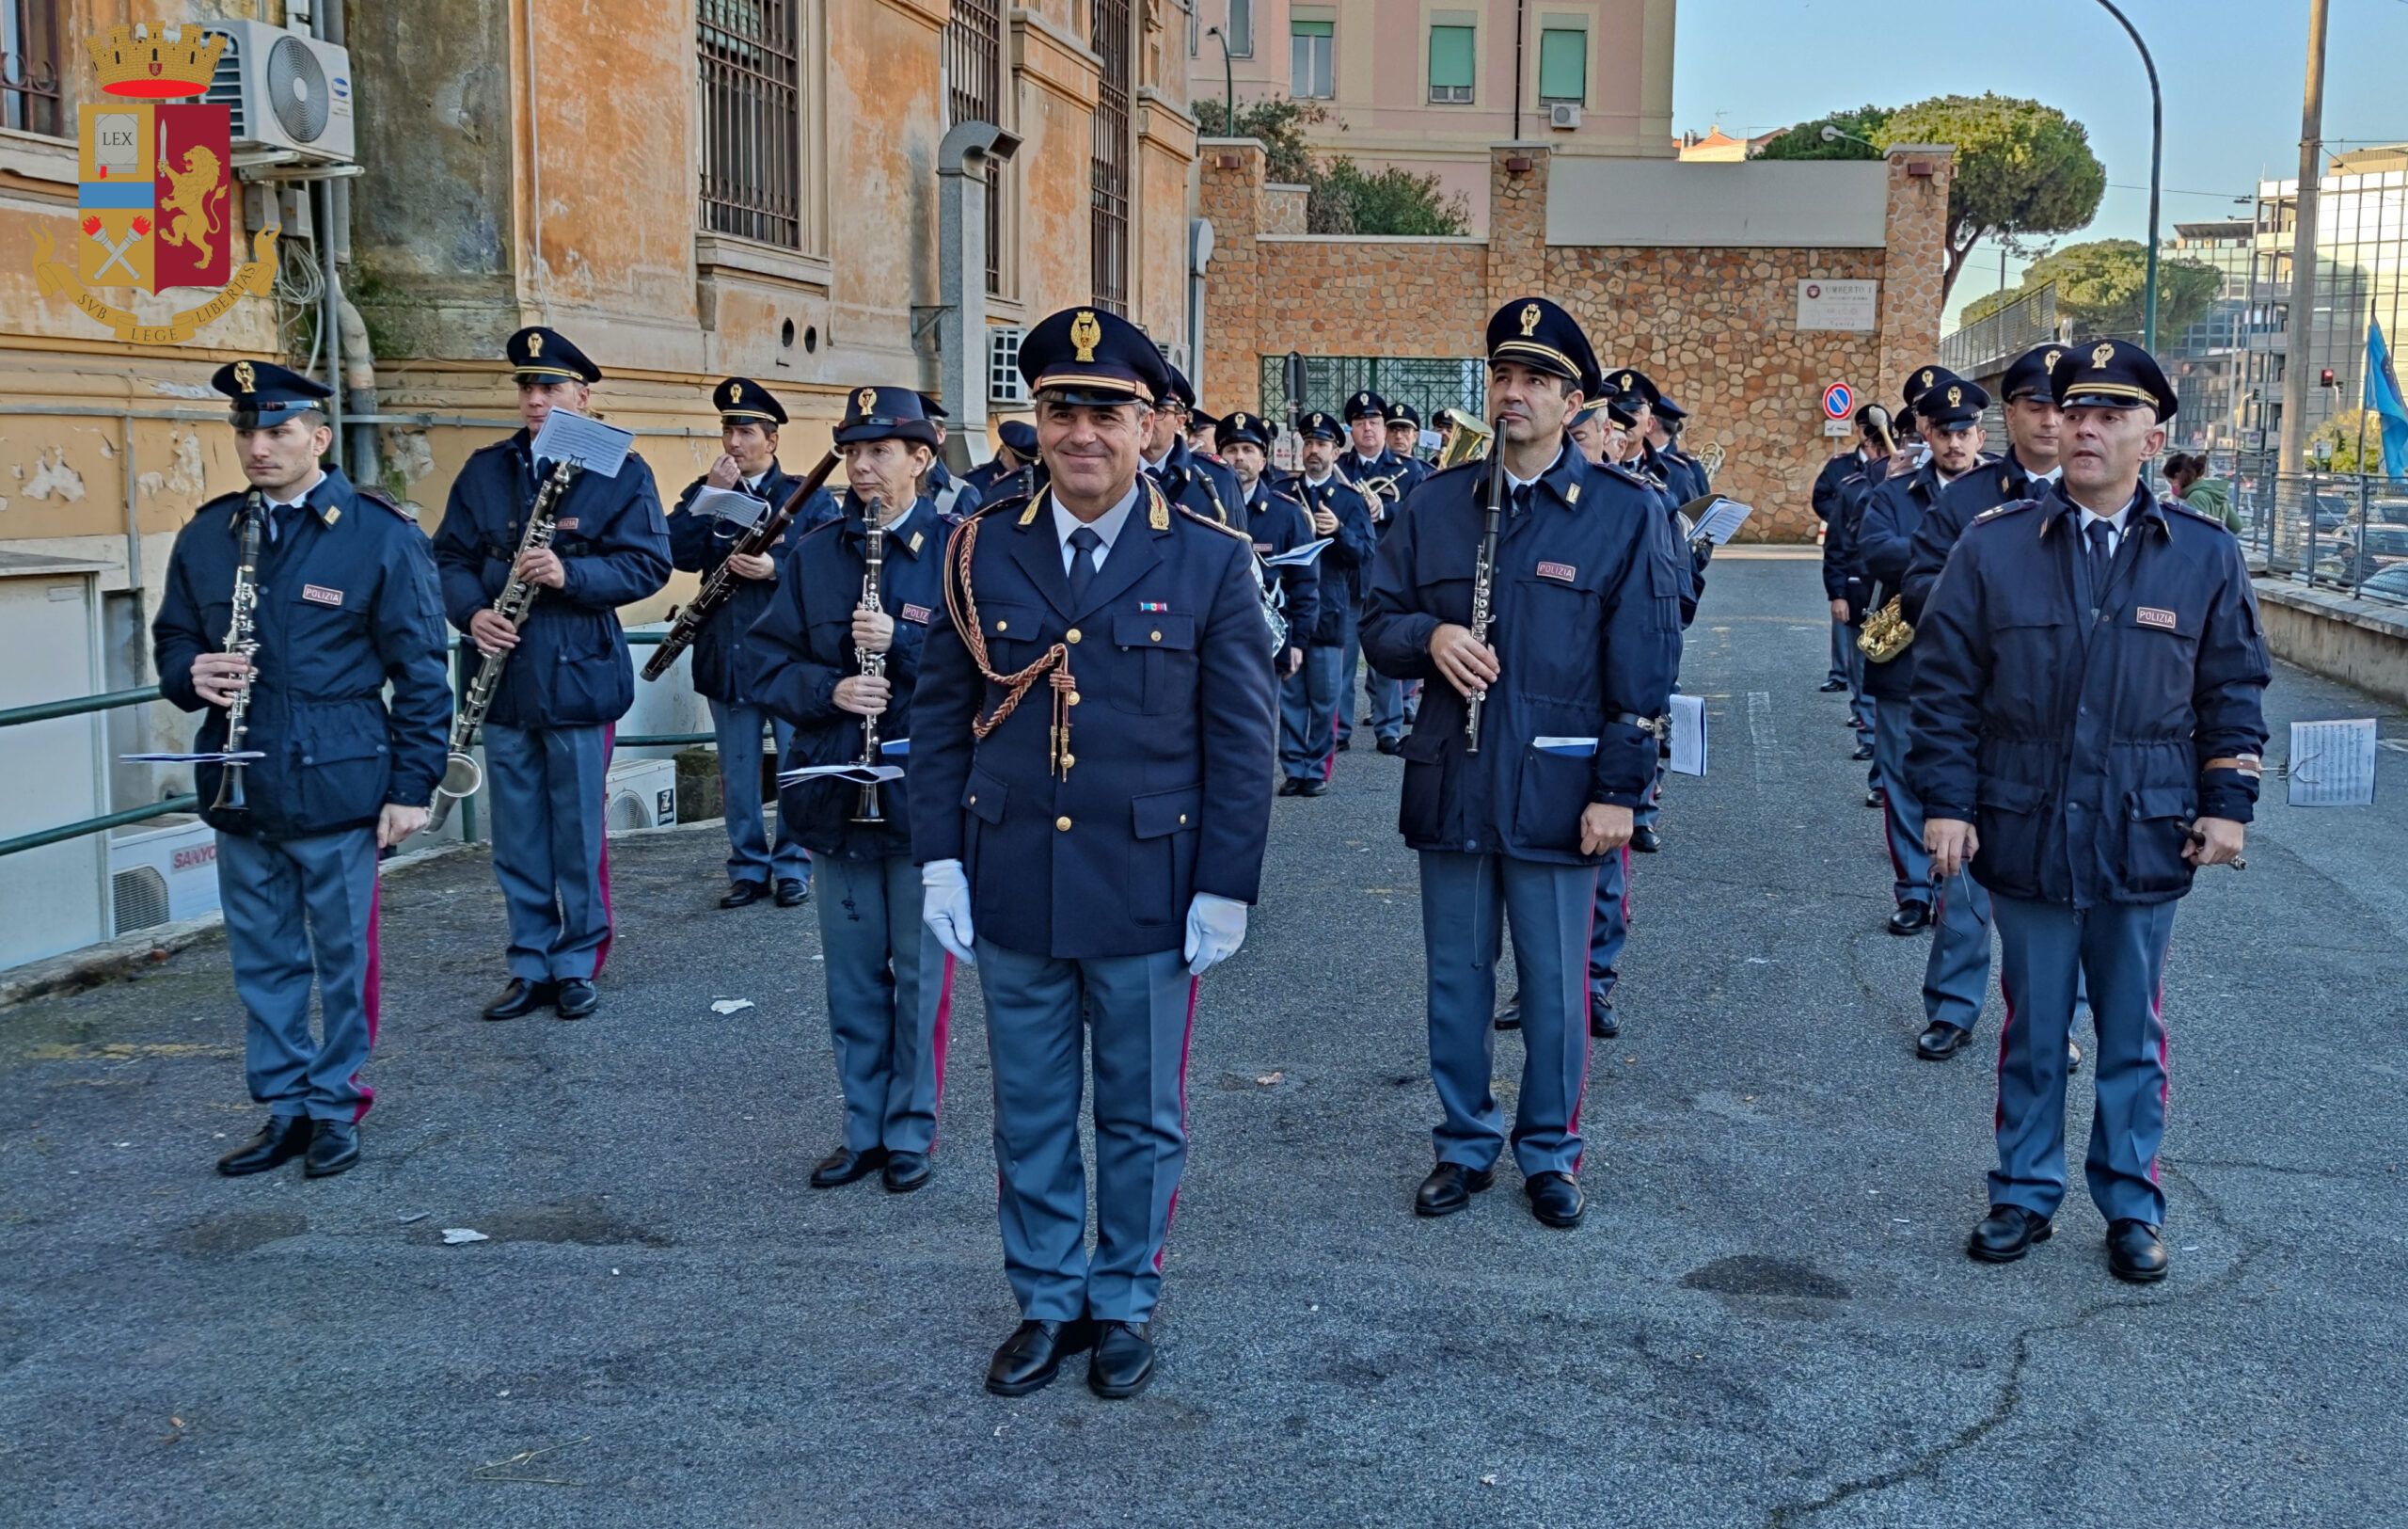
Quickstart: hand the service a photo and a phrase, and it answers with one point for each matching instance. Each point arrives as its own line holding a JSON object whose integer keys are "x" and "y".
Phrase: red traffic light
{"x": 2324, "y": 379}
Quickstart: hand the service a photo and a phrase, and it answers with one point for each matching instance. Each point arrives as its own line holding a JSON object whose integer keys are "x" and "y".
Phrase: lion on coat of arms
{"x": 196, "y": 188}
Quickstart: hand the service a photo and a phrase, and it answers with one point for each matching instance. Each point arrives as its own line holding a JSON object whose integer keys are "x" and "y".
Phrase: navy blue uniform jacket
{"x": 1278, "y": 524}
{"x": 1587, "y": 630}
{"x": 347, "y": 606}
{"x": 1172, "y": 738}
{"x": 1842, "y": 575}
{"x": 1987, "y": 487}
{"x": 1206, "y": 487}
{"x": 570, "y": 668}
{"x": 1827, "y": 484}
{"x": 804, "y": 644}
{"x": 963, "y": 504}
{"x": 1883, "y": 537}
{"x": 1345, "y": 564}
{"x": 725, "y": 669}
{"x": 2073, "y": 729}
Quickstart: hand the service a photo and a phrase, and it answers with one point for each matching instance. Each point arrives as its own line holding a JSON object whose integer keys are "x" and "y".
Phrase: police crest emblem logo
{"x": 534, "y": 343}
{"x": 1955, "y": 396}
{"x": 1530, "y": 319}
{"x": 247, "y": 377}
{"x": 2101, "y": 356}
{"x": 866, "y": 401}
{"x": 727, "y": 396}
{"x": 2053, "y": 358}
{"x": 155, "y": 209}
{"x": 1087, "y": 332}
{"x": 1926, "y": 377}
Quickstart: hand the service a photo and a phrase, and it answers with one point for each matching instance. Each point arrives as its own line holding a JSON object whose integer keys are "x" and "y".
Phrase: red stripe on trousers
{"x": 944, "y": 1029}
{"x": 1186, "y": 1037}
{"x": 2006, "y": 1028}
{"x": 1580, "y": 1094}
{"x": 370, "y": 995}
{"x": 609, "y": 923}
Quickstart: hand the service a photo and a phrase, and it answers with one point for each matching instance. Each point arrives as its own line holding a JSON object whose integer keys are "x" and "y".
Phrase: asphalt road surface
{"x": 1768, "y": 1319}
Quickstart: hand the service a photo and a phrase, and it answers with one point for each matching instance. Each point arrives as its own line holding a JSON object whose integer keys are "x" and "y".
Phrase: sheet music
{"x": 1295, "y": 556}
{"x": 1573, "y": 747}
{"x": 1689, "y": 736}
{"x": 172, "y": 757}
{"x": 740, "y": 510}
{"x": 589, "y": 443}
{"x": 855, "y": 774}
{"x": 2332, "y": 763}
{"x": 1723, "y": 519}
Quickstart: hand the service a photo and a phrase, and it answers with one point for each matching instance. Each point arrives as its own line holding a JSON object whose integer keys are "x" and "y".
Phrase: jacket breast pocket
{"x": 1162, "y": 852}
{"x": 2011, "y": 822}
{"x": 1554, "y": 637}
{"x": 2157, "y": 824}
{"x": 2158, "y": 672}
{"x": 1154, "y": 669}
{"x": 1014, "y": 632}
{"x": 1548, "y": 798}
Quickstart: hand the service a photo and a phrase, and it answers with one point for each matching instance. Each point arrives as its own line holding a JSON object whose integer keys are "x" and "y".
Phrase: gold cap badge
{"x": 1086, "y": 334}
{"x": 2053, "y": 358}
{"x": 2100, "y": 357}
{"x": 245, "y": 377}
{"x": 866, "y": 401}
{"x": 1926, "y": 377}
{"x": 727, "y": 395}
{"x": 535, "y": 344}
{"x": 1530, "y": 319}
{"x": 1956, "y": 395}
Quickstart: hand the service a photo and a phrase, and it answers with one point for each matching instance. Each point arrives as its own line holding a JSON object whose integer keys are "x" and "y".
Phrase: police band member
{"x": 1201, "y": 430}
{"x": 955, "y": 498}
{"x": 548, "y": 738}
{"x": 1016, "y": 449}
{"x": 1404, "y": 438}
{"x": 1385, "y": 478}
{"x": 344, "y": 607}
{"x": 1584, "y": 642}
{"x": 1871, "y": 446}
{"x": 727, "y": 667}
{"x": 2089, "y": 717}
{"x": 890, "y": 982}
{"x": 1202, "y": 485}
{"x": 1090, "y": 783}
{"x": 1310, "y": 699}
{"x": 1277, "y": 524}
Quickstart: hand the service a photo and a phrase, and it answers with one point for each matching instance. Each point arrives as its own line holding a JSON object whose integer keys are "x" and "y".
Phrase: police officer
{"x": 1404, "y": 441}
{"x": 1584, "y": 641}
{"x": 1385, "y": 478}
{"x": 2089, "y": 718}
{"x": 1090, "y": 783}
{"x": 955, "y": 498}
{"x": 890, "y": 984}
{"x": 548, "y": 738}
{"x": 1202, "y": 429}
{"x": 726, "y": 667}
{"x": 1277, "y": 524}
{"x": 1015, "y": 450}
{"x": 344, "y": 607}
{"x": 1311, "y": 700}
{"x": 1872, "y": 445}
{"x": 1204, "y": 485}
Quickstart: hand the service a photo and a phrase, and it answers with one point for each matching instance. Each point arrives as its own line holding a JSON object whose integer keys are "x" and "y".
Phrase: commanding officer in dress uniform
{"x": 1204, "y": 485}
{"x": 1310, "y": 699}
{"x": 343, "y": 606}
{"x": 2089, "y": 722}
{"x": 1015, "y": 450}
{"x": 1091, "y": 791}
{"x": 1386, "y": 478}
{"x": 1584, "y": 641}
{"x": 548, "y": 738}
{"x": 1277, "y": 524}
{"x": 726, "y": 667}
{"x": 890, "y": 984}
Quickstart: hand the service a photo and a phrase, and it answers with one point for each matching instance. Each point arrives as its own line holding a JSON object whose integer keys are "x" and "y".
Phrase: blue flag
{"x": 2382, "y": 396}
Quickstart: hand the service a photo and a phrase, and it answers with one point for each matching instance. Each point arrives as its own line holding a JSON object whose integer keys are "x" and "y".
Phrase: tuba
{"x": 1468, "y": 444}
{"x": 1886, "y": 633}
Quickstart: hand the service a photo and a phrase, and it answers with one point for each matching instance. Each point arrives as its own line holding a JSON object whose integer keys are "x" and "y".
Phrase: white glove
{"x": 944, "y": 907}
{"x": 1215, "y": 929}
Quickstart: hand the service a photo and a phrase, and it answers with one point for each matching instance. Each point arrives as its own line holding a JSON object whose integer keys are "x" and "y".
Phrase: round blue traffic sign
{"x": 1839, "y": 400}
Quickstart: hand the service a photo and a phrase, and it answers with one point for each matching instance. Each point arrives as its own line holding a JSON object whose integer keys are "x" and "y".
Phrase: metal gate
{"x": 1429, "y": 383}
{"x": 1109, "y": 160}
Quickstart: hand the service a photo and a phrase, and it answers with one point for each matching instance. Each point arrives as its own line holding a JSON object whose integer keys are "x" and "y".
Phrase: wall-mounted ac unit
{"x": 1004, "y": 382}
{"x": 163, "y": 875}
{"x": 643, "y": 793}
{"x": 285, "y": 90}
{"x": 1563, "y": 116}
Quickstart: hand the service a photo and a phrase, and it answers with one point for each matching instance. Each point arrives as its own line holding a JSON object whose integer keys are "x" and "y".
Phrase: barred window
{"x": 1109, "y": 161}
{"x": 751, "y": 57}
{"x": 973, "y": 80}
{"x": 30, "y": 75}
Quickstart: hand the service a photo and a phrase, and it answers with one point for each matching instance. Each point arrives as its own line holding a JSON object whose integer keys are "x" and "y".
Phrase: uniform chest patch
{"x": 2151, "y": 615}
{"x": 566, "y": 522}
{"x": 916, "y": 614}
{"x": 1560, "y": 572}
{"x": 1264, "y": 548}
{"x": 321, "y": 595}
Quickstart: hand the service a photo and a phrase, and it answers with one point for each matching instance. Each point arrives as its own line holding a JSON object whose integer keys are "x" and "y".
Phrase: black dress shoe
{"x": 281, "y": 1141}
{"x": 1832, "y": 686}
{"x": 744, "y": 894}
{"x": 2135, "y": 1251}
{"x": 1554, "y": 1199}
{"x": 1941, "y": 1040}
{"x": 1391, "y": 745}
{"x": 1449, "y": 1187}
{"x": 1032, "y": 1356}
{"x": 1509, "y": 1017}
{"x": 1910, "y": 918}
{"x": 1602, "y": 1024}
{"x": 1123, "y": 1363}
{"x": 1863, "y": 752}
{"x": 1875, "y": 797}
{"x": 845, "y": 1165}
{"x": 519, "y": 999}
{"x": 2006, "y": 1235}
{"x": 1314, "y": 785}
{"x": 333, "y": 1147}
{"x": 793, "y": 894}
{"x": 906, "y": 1172}
{"x": 1345, "y": 745}
{"x": 1290, "y": 786}
{"x": 575, "y": 998}
{"x": 1646, "y": 840}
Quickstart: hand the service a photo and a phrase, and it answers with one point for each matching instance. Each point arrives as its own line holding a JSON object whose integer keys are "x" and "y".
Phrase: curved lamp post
{"x": 2156, "y": 168}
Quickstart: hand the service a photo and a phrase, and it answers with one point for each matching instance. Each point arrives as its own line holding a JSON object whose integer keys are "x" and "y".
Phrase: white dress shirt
{"x": 1106, "y": 526}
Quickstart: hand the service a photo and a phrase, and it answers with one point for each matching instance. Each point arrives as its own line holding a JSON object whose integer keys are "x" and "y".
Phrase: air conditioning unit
{"x": 163, "y": 875}
{"x": 1004, "y": 382}
{"x": 284, "y": 90}
{"x": 643, "y": 793}
{"x": 1563, "y": 116}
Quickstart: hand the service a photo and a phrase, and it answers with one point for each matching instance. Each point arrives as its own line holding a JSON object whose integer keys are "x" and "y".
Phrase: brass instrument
{"x": 461, "y": 775}
{"x": 1886, "y": 633}
{"x": 242, "y": 639}
{"x": 1470, "y": 442}
{"x": 873, "y": 665}
{"x": 1484, "y": 579}
{"x": 1711, "y": 459}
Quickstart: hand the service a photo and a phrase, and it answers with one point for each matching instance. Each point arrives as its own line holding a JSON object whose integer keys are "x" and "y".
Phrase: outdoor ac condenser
{"x": 162, "y": 874}
{"x": 285, "y": 90}
{"x": 642, "y": 794}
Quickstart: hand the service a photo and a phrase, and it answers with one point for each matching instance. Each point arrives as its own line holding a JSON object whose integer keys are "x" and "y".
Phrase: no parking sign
{"x": 1839, "y": 402}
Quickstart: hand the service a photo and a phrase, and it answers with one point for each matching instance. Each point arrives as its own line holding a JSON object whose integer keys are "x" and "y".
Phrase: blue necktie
{"x": 2103, "y": 558}
{"x": 1083, "y": 543}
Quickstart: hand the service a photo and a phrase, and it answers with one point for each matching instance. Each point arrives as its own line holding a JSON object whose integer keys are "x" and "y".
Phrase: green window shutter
{"x": 1564, "y": 65}
{"x": 1451, "y": 57}
{"x": 1312, "y": 28}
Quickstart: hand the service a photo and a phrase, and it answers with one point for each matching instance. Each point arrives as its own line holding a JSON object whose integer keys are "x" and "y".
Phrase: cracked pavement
{"x": 1768, "y": 1319}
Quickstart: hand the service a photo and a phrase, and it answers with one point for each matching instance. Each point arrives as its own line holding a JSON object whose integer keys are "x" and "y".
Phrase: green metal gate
{"x": 1429, "y": 383}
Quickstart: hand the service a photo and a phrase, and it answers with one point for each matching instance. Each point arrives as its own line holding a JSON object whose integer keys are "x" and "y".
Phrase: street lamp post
{"x": 2155, "y": 170}
{"x": 1229, "y": 85}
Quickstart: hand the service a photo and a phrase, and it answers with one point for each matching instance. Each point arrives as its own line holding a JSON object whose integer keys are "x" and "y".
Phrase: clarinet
{"x": 242, "y": 639}
{"x": 461, "y": 775}
{"x": 873, "y": 665}
{"x": 1483, "y": 581}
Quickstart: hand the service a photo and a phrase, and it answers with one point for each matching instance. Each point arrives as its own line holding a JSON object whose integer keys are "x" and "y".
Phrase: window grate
{"x": 751, "y": 57}
{"x": 1004, "y": 384}
{"x": 973, "y": 74}
{"x": 1109, "y": 160}
{"x": 30, "y": 99}
{"x": 1429, "y": 383}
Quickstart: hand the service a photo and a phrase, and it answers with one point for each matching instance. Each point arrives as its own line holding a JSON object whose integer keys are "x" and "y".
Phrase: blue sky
{"x": 2232, "y": 73}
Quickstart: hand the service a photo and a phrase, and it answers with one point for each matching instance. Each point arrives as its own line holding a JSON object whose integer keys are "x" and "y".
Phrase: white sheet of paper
{"x": 1689, "y": 736}
{"x": 857, "y": 774}
{"x": 1582, "y": 747}
{"x": 895, "y": 745}
{"x": 739, "y": 509}
{"x": 1295, "y": 556}
{"x": 2332, "y": 763}
{"x": 1723, "y": 520}
{"x": 589, "y": 443}
{"x": 190, "y": 758}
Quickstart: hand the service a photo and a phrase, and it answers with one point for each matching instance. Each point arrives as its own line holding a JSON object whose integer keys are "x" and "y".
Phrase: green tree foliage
{"x": 1805, "y": 140}
{"x": 2343, "y": 431}
{"x": 2101, "y": 286}
{"x": 1343, "y": 197}
{"x": 1279, "y": 122}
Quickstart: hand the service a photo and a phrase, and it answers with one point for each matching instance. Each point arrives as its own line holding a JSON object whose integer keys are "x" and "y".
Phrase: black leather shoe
{"x": 1509, "y": 1017}
{"x": 1876, "y": 798}
{"x": 1602, "y": 1024}
{"x": 519, "y": 999}
{"x": 333, "y": 1147}
{"x": 1123, "y": 1363}
{"x": 1941, "y": 1040}
{"x": 575, "y": 998}
{"x": 744, "y": 894}
{"x": 793, "y": 894}
{"x": 1832, "y": 686}
{"x": 1345, "y": 745}
{"x": 1314, "y": 785}
{"x": 2006, "y": 1235}
{"x": 906, "y": 1172}
{"x": 1910, "y": 918}
{"x": 1863, "y": 752}
{"x": 1554, "y": 1199}
{"x": 281, "y": 1141}
{"x": 1290, "y": 786}
{"x": 845, "y": 1165}
{"x": 1449, "y": 1187}
{"x": 2135, "y": 1253}
{"x": 1032, "y": 1356}
{"x": 1646, "y": 840}
{"x": 1391, "y": 745}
